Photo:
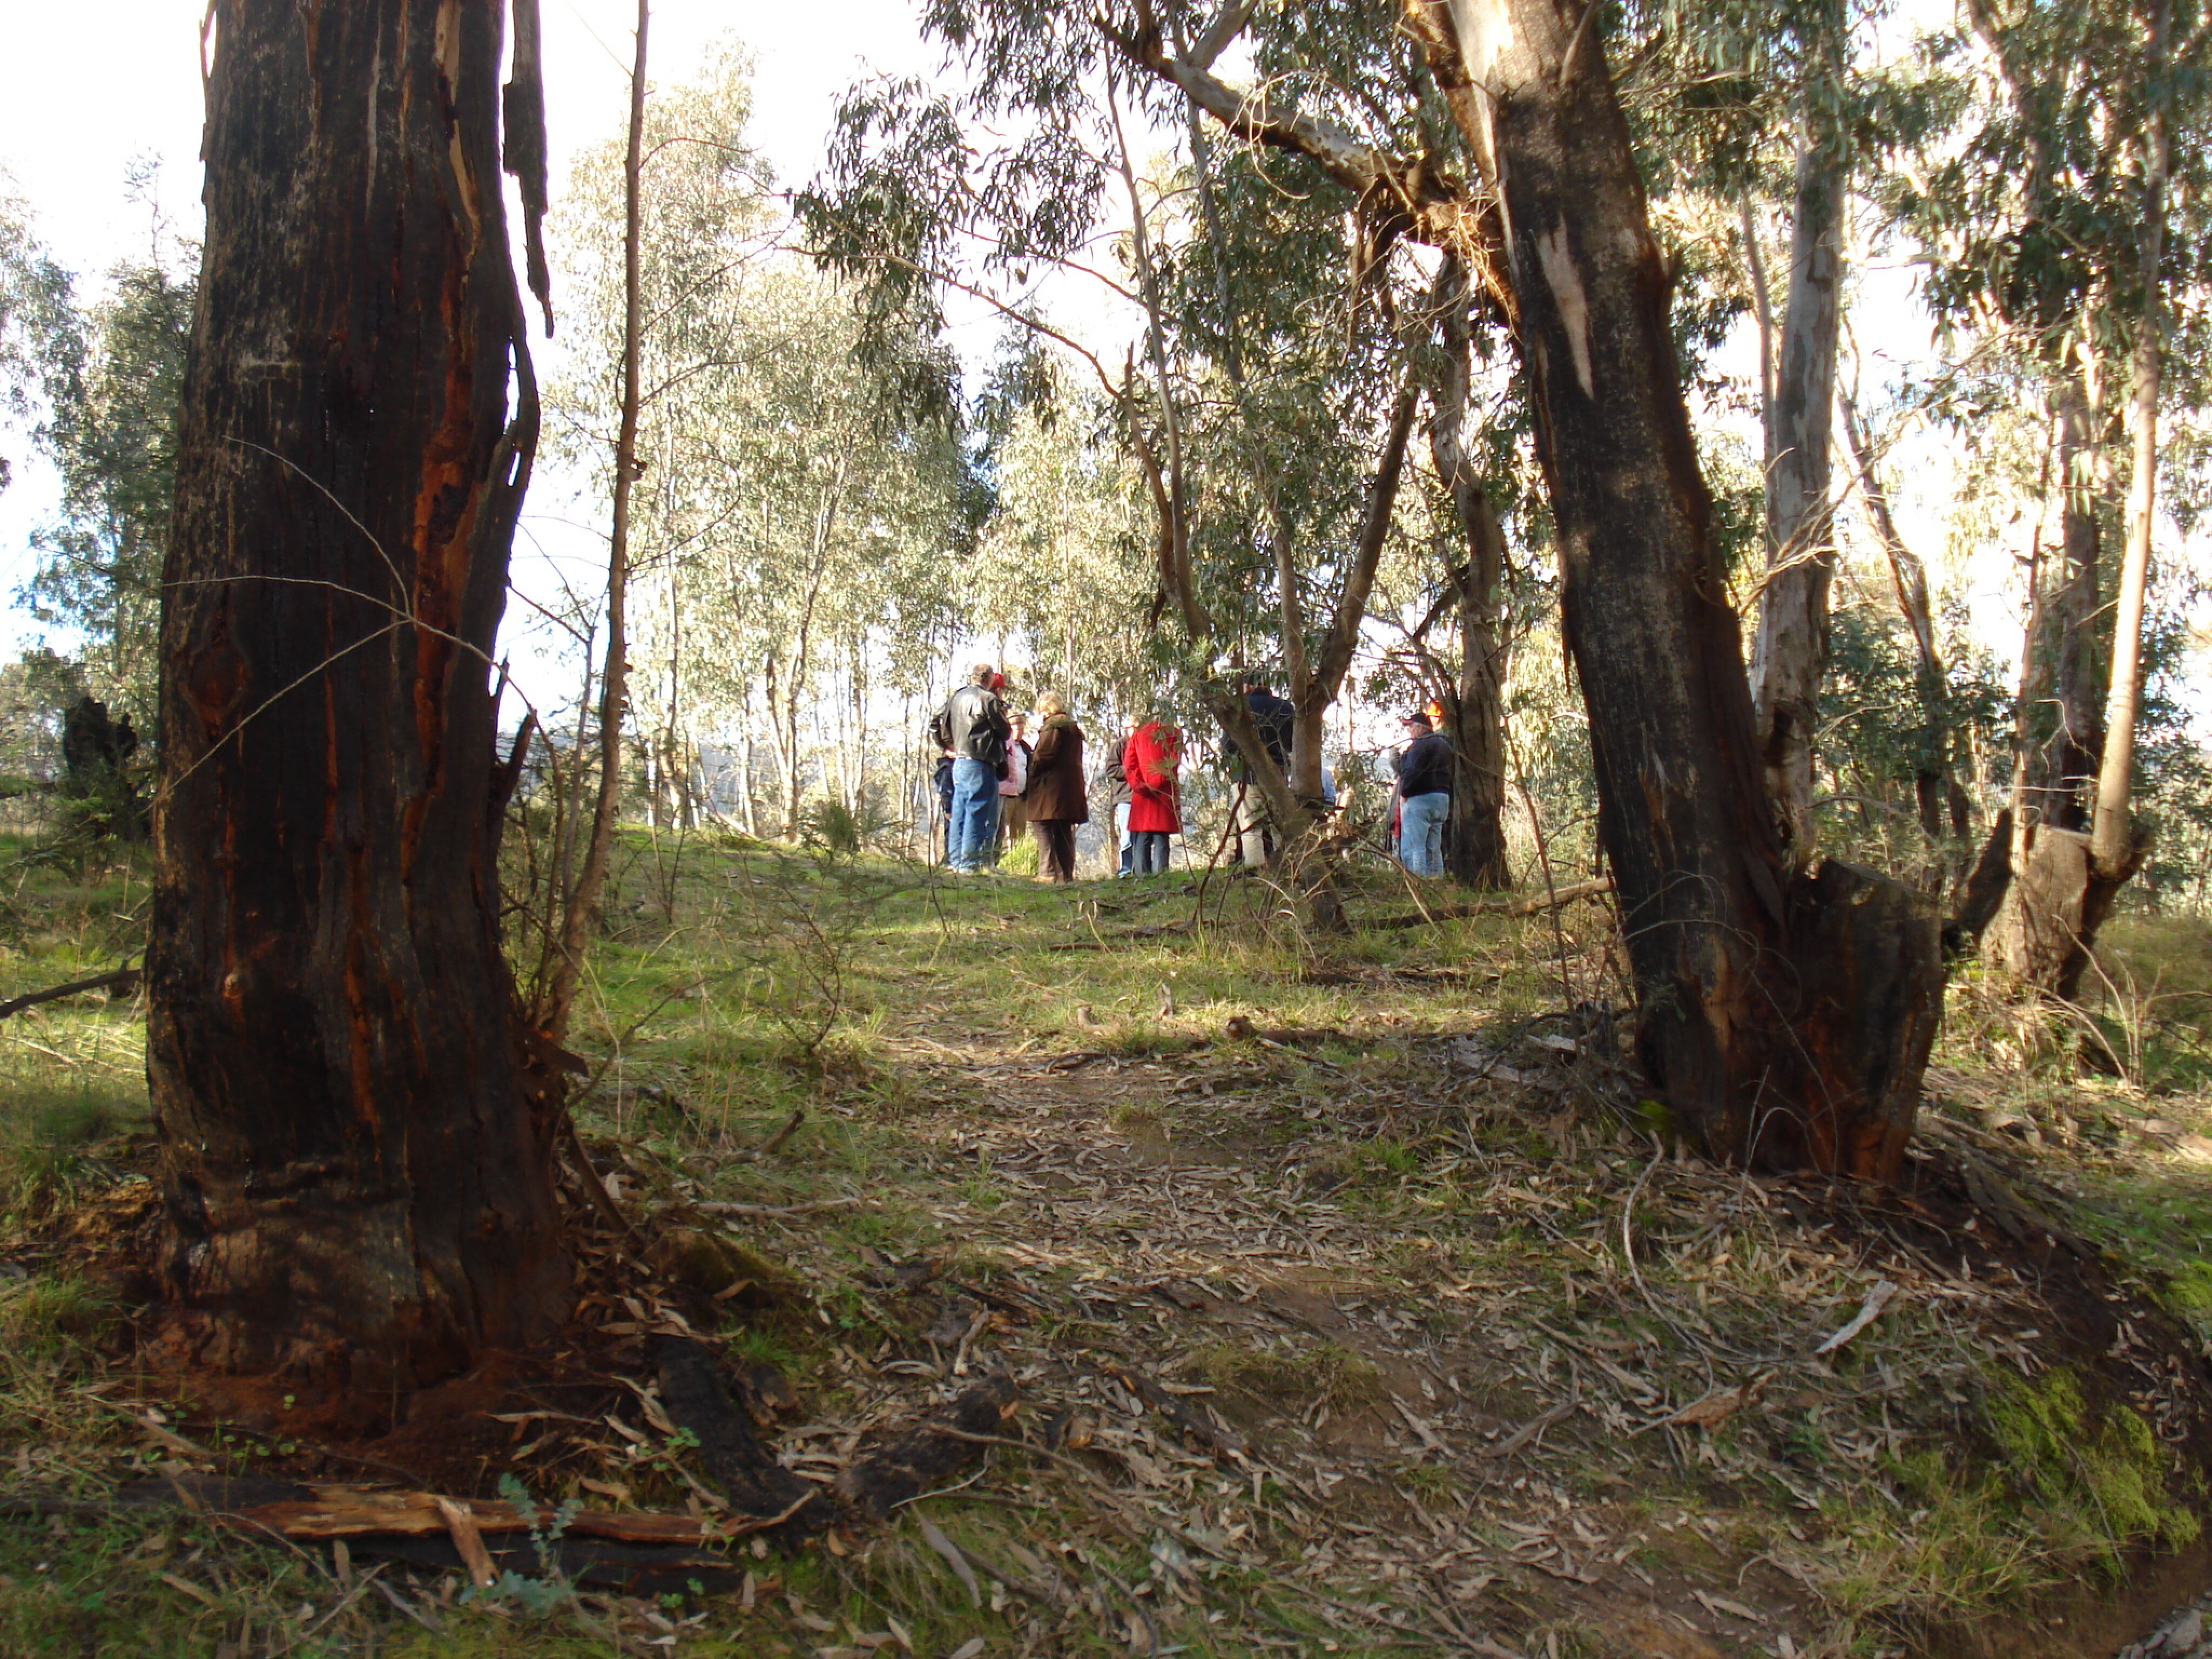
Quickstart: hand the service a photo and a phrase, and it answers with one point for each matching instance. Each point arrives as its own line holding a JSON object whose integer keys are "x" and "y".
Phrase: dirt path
{"x": 1194, "y": 1275}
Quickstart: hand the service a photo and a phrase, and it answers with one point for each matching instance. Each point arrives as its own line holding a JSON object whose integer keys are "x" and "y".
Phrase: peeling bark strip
{"x": 354, "y": 1184}
{"x": 1786, "y": 1018}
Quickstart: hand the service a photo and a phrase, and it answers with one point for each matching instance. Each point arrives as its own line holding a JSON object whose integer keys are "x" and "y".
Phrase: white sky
{"x": 142, "y": 56}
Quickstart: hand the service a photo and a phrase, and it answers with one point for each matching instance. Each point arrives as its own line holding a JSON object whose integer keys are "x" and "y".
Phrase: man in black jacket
{"x": 1277, "y": 719}
{"x": 1425, "y": 771}
{"x": 973, "y": 725}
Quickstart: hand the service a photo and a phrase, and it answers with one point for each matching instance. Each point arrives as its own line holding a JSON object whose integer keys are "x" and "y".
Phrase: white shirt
{"x": 1017, "y": 767}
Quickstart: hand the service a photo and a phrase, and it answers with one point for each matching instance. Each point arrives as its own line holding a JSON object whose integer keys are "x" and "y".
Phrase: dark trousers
{"x": 1055, "y": 845}
{"x": 1151, "y": 852}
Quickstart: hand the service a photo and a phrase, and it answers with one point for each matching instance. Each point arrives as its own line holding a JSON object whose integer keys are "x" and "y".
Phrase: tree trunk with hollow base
{"x": 355, "y": 1131}
{"x": 1786, "y": 1018}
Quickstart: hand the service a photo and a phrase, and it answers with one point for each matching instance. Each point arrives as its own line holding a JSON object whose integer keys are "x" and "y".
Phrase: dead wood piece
{"x": 468, "y": 1539}
{"x": 1220, "y": 1441}
{"x": 774, "y": 1144}
{"x": 116, "y": 982}
{"x": 1241, "y": 1030}
{"x": 587, "y": 1563}
{"x": 755, "y": 1484}
{"x": 321, "y": 1511}
{"x": 1534, "y": 905}
{"x": 709, "y": 1207}
{"x": 1005, "y": 1301}
{"x": 903, "y": 1470}
{"x": 1535, "y": 1425}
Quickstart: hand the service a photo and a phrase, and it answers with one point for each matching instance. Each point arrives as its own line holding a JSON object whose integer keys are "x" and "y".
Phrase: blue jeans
{"x": 1151, "y": 852}
{"x": 1421, "y": 832}
{"x": 974, "y": 827}
{"x": 1122, "y": 835}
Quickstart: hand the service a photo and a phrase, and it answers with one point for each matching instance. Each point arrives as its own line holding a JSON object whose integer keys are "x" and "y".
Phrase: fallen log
{"x": 1536, "y": 904}
{"x": 316, "y": 1512}
{"x": 633, "y": 1554}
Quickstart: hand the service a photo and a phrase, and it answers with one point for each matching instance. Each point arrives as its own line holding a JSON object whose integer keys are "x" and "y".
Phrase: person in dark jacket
{"x": 1277, "y": 719}
{"x": 973, "y": 725}
{"x": 941, "y": 779}
{"x": 1424, "y": 793}
{"x": 1057, "y": 800}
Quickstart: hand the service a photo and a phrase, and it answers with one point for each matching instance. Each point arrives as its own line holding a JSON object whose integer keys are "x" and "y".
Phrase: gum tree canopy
{"x": 355, "y": 1140}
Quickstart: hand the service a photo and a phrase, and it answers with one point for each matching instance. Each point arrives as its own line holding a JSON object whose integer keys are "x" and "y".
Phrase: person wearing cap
{"x": 1424, "y": 792}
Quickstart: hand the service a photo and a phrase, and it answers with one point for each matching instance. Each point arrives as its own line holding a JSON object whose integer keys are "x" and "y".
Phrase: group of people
{"x": 1420, "y": 798}
{"x": 993, "y": 781}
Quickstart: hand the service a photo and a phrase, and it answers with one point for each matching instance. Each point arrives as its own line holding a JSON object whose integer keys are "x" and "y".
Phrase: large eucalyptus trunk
{"x": 355, "y": 1142}
{"x": 1786, "y": 1018}
{"x": 1789, "y": 657}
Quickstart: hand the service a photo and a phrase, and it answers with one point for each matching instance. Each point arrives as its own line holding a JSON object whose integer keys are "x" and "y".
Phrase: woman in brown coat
{"x": 1056, "y": 797}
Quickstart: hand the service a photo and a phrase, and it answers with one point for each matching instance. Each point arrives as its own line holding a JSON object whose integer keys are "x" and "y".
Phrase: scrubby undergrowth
{"x": 1354, "y": 1303}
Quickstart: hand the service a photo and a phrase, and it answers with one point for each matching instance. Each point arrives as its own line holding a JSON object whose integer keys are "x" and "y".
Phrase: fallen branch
{"x": 116, "y": 982}
{"x": 1534, "y": 905}
{"x": 710, "y": 1206}
{"x": 314, "y": 1512}
{"x": 1535, "y": 1425}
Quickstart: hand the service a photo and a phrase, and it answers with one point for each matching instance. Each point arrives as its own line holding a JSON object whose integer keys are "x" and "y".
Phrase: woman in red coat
{"x": 1151, "y": 760}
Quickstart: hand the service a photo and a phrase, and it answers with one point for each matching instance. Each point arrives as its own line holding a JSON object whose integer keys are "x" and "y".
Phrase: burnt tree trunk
{"x": 1786, "y": 1018}
{"x": 355, "y": 1163}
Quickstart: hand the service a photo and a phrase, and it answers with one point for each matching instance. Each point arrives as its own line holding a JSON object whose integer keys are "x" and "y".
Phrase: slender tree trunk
{"x": 1762, "y": 311}
{"x": 614, "y": 678}
{"x": 2113, "y": 844}
{"x": 2050, "y": 911}
{"x": 1789, "y": 658}
{"x": 1475, "y": 838}
{"x": 1936, "y": 783}
{"x": 355, "y": 1131}
{"x": 1786, "y": 1018}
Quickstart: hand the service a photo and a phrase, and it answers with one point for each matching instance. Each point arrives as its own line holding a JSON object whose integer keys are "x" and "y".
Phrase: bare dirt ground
{"x": 1379, "y": 1339}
